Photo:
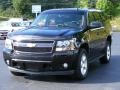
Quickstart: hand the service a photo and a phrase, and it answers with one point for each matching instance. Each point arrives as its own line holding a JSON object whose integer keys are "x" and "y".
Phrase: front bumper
{"x": 42, "y": 64}
{"x": 70, "y": 72}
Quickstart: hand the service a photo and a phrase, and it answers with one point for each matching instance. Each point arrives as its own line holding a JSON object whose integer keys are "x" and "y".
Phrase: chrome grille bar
{"x": 33, "y": 44}
{"x": 36, "y": 47}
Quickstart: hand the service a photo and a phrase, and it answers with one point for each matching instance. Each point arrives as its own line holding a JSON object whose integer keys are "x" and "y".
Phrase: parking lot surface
{"x": 100, "y": 77}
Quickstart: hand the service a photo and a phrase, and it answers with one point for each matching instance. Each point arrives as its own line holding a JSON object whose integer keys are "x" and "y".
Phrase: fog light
{"x": 65, "y": 65}
{"x": 8, "y": 62}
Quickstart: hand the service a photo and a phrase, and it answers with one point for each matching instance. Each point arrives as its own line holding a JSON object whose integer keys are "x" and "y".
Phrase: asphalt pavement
{"x": 100, "y": 77}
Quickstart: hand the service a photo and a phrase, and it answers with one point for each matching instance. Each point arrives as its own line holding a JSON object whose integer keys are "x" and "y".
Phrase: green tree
{"x": 105, "y": 5}
{"x": 4, "y": 4}
{"x": 22, "y": 7}
{"x": 83, "y": 3}
{"x": 49, "y": 4}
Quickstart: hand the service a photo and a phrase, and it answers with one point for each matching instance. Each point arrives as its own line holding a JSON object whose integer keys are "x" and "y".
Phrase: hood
{"x": 46, "y": 32}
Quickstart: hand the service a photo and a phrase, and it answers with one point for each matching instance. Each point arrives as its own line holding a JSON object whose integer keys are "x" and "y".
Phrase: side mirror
{"x": 95, "y": 24}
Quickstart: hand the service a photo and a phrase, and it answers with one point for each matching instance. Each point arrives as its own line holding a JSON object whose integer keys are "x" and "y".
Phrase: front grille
{"x": 34, "y": 46}
{"x": 34, "y": 49}
{"x": 3, "y": 33}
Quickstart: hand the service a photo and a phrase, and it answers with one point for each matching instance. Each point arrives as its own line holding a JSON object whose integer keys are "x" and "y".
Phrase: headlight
{"x": 66, "y": 45}
{"x": 8, "y": 44}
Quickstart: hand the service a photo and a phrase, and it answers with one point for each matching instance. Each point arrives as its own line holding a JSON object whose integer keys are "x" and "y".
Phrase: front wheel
{"x": 106, "y": 58}
{"x": 82, "y": 65}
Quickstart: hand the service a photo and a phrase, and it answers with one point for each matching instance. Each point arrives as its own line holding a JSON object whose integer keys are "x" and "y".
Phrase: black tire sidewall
{"x": 104, "y": 59}
{"x": 78, "y": 69}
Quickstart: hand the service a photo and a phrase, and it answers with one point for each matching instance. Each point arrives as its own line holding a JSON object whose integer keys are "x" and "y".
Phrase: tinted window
{"x": 98, "y": 18}
{"x": 103, "y": 17}
{"x": 90, "y": 18}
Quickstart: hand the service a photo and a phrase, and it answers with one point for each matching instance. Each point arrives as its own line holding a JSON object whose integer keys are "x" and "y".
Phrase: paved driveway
{"x": 101, "y": 77}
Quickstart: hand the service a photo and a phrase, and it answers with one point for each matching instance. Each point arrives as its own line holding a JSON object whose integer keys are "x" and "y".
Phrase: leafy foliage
{"x": 82, "y": 3}
{"x": 4, "y": 4}
{"x": 18, "y": 8}
{"x": 105, "y": 5}
{"x": 21, "y": 7}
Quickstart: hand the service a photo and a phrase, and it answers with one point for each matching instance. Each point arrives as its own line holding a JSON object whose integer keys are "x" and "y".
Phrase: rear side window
{"x": 98, "y": 18}
{"x": 90, "y": 18}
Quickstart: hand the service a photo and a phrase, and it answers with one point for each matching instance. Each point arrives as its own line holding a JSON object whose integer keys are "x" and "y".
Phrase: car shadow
{"x": 98, "y": 73}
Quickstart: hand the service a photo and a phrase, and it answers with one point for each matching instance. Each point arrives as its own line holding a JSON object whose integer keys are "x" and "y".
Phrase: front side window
{"x": 95, "y": 20}
{"x": 59, "y": 20}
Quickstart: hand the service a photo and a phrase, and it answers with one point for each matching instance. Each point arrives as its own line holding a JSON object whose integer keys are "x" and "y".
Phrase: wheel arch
{"x": 109, "y": 39}
{"x": 85, "y": 46}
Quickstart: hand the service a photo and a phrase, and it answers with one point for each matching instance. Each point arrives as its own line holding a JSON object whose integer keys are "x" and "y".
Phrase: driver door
{"x": 93, "y": 38}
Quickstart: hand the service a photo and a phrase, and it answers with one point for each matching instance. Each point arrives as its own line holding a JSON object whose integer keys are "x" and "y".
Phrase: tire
{"x": 82, "y": 65}
{"x": 17, "y": 73}
{"x": 106, "y": 58}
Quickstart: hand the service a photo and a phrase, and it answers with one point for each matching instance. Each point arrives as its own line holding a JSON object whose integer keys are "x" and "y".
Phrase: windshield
{"x": 59, "y": 20}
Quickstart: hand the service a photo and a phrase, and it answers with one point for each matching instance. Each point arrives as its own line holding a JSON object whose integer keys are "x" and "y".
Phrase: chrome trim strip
{"x": 20, "y": 60}
{"x": 20, "y": 44}
{"x": 42, "y": 73}
{"x": 97, "y": 28}
{"x": 18, "y": 52}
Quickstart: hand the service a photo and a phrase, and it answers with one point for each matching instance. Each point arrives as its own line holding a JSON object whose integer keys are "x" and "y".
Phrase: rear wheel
{"x": 17, "y": 73}
{"x": 82, "y": 65}
{"x": 106, "y": 58}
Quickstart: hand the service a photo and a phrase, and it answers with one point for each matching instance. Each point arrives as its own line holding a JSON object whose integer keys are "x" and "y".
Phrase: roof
{"x": 72, "y": 10}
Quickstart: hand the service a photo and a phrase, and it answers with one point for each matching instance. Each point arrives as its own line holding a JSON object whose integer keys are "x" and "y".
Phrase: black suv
{"x": 60, "y": 42}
